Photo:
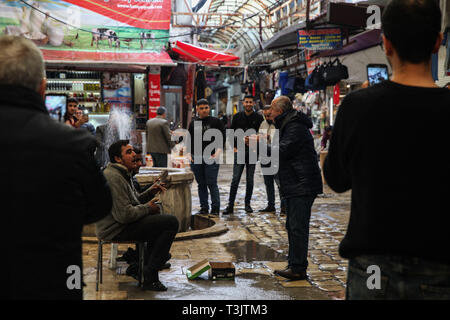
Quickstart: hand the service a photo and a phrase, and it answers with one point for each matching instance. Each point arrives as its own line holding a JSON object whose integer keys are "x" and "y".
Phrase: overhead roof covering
{"x": 247, "y": 37}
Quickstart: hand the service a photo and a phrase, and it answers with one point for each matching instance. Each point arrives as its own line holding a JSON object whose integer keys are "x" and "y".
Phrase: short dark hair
{"x": 413, "y": 27}
{"x": 202, "y": 101}
{"x": 72, "y": 100}
{"x": 249, "y": 96}
{"x": 115, "y": 150}
{"x": 160, "y": 111}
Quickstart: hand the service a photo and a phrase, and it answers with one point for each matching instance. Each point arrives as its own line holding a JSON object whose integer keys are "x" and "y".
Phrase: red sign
{"x": 136, "y": 13}
{"x": 154, "y": 93}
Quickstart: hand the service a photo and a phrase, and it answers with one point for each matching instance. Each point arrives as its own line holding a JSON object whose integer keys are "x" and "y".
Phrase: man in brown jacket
{"x": 159, "y": 142}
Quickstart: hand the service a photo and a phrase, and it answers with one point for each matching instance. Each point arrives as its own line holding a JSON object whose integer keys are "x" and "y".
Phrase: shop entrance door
{"x": 172, "y": 99}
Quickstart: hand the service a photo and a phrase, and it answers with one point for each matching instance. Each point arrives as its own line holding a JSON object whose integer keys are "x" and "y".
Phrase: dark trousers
{"x": 297, "y": 224}
{"x": 158, "y": 231}
{"x": 385, "y": 277}
{"x": 270, "y": 190}
{"x": 237, "y": 173}
{"x": 206, "y": 177}
{"x": 159, "y": 159}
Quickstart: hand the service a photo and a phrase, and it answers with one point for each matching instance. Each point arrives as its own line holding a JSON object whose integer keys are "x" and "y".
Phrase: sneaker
{"x": 154, "y": 286}
{"x": 248, "y": 209}
{"x": 228, "y": 210}
{"x": 268, "y": 209}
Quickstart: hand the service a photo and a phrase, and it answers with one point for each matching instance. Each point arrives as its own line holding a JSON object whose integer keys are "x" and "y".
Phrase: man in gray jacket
{"x": 135, "y": 216}
{"x": 159, "y": 142}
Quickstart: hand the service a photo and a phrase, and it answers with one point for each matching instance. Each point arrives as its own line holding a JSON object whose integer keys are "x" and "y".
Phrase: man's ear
{"x": 42, "y": 87}
{"x": 387, "y": 45}
{"x": 438, "y": 43}
{"x": 118, "y": 159}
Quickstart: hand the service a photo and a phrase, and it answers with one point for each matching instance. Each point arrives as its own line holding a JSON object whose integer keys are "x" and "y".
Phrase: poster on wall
{"x": 126, "y": 31}
{"x": 154, "y": 91}
{"x": 117, "y": 90}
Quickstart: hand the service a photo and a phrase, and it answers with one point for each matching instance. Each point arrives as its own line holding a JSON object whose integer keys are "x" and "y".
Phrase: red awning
{"x": 200, "y": 55}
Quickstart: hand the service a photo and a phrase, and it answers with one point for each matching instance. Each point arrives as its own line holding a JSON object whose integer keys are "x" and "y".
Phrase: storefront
{"x": 106, "y": 60}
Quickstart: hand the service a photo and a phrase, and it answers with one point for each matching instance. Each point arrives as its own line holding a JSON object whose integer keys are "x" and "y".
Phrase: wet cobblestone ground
{"x": 256, "y": 243}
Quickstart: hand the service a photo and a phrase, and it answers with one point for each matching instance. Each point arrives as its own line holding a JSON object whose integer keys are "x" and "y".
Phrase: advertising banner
{"x": 154, "y": 91}
{"x": 91, "y": 30}
{"x": 117, "y": 90}
{"x": 320, "y": 39}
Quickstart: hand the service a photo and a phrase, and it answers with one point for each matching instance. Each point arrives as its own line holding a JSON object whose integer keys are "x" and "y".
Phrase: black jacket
{"x": 51, "y": 186}
{"x": 206, "y": 123}
{"x": 299, "y": 171}
{"x": 244, "y": 122}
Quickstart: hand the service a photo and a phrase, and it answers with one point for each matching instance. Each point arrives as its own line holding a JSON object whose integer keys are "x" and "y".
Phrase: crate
{"x": 197, "y": 269}
{"x": 222, "y": 271}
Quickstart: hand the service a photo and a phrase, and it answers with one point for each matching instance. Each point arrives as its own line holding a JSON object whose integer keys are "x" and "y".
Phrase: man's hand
{"x": 154, "y": 207}
{"x": 158, "y": 187}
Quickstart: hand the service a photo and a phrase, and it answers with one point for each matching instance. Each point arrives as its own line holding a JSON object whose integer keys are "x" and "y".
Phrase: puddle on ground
{"x": 249, "y": 250}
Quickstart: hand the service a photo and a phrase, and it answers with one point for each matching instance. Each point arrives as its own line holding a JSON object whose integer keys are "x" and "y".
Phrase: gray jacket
{"x": 128, "y": 205}
{"x": 158, "y": 136}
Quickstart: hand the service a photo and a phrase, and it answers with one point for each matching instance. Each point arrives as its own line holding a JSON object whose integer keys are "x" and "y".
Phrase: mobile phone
{"x": 377, "y": 73}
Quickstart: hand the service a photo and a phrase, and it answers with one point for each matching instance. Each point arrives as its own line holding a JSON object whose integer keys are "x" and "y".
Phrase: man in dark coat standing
{"x": 51, "y": 185}
{"x": 300, "y": 181}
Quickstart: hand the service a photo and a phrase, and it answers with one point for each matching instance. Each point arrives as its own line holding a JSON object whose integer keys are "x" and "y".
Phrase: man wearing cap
{"x": 159, "y": 142}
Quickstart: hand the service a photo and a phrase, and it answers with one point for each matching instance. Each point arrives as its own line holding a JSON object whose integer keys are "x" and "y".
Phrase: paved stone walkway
{"x": 256, "y": 243}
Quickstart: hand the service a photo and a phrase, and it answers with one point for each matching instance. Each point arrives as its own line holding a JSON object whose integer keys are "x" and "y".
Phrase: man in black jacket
{"x": 300, "y": 181}
{"x": 245, "y": 120}
{"x": 206, "y": 166}
{"x": 397, "y": 239}
{"x": 51, "y": 185}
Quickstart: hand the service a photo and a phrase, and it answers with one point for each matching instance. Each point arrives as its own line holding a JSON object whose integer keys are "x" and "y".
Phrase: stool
{"x": 139, "y": 244}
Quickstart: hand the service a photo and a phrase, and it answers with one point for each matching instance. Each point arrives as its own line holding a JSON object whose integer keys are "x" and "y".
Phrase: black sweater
{"x": 387, "y": 146}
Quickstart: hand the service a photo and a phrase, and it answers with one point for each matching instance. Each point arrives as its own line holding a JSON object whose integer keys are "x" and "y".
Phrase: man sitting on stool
{"x": 135, "y": 216}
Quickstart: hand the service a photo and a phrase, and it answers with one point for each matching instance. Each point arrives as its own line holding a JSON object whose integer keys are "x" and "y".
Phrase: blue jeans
{"x": 298, "y": 214}
{"x": 206, "y": 177}
{"x": 400, "y": 278}
{"x": 237, "y": 173}
{"x": 159, "y": 159}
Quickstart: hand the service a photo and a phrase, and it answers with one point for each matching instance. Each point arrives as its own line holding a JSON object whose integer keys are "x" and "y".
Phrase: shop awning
{"x": 101, "y": 58}
{"x": 199, "y": 55}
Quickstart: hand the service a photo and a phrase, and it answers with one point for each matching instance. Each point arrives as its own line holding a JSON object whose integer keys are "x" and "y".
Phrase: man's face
{"x": 274, "y": 111}
{"x": 203, "y": 111}
{"x": 267, "y": 114}
{"x": 79, "y": 114}
{"x": 138, "y": 162}
{"x": 72, "y": 108}
{"x": 248, "y": 104}
{"x": 128, "y": 158}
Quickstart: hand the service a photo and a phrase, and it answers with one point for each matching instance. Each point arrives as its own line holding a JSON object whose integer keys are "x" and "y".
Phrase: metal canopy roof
{"x": 250, "y": 11}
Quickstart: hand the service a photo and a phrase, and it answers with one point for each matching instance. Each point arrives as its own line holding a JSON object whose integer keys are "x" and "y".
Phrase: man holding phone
{"x": 136, "y": 216}
{"x": 398, "y": 221}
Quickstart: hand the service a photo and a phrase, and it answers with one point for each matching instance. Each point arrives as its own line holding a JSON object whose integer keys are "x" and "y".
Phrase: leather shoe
{"x": 268, "y": 209}
{"x": 154, "y": 286}
{"x": 167, "y": 265}
{"x": 228, "y": 210}
{"x": 291, "y": 275}
{"x": 248, "y": 209}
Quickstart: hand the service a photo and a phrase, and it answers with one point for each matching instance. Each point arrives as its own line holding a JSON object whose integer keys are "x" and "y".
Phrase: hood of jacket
{"x": 292, "y": 115}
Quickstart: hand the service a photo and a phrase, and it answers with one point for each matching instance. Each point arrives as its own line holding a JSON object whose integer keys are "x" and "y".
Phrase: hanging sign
{"x": 154, "y": 91}
{"x": 320, "y": 39}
